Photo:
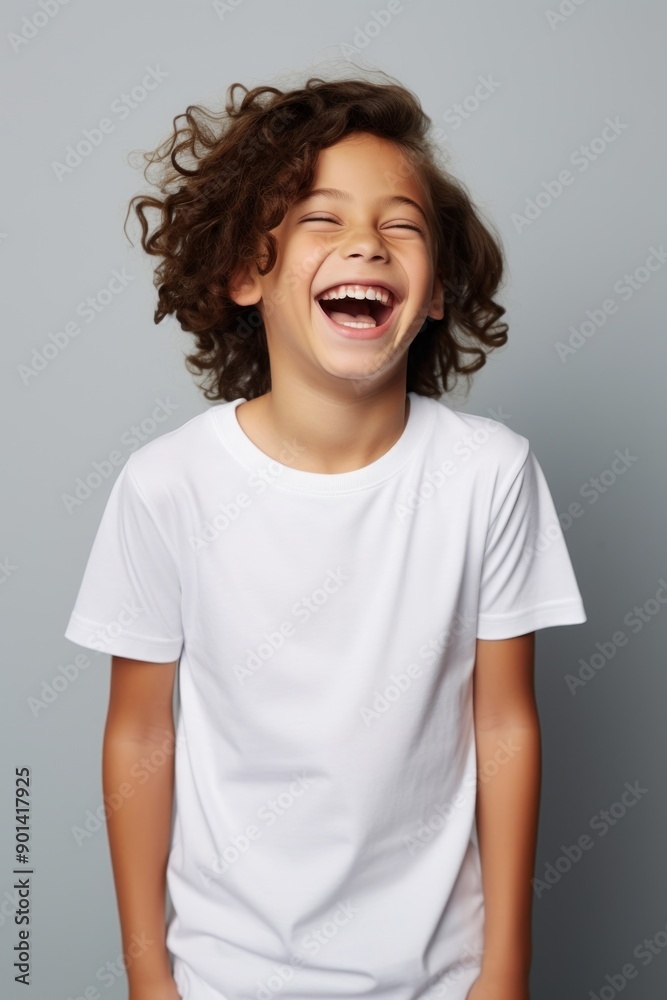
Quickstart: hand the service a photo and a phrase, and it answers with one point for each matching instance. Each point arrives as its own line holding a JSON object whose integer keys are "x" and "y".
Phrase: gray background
{"x": 555, "y": 84}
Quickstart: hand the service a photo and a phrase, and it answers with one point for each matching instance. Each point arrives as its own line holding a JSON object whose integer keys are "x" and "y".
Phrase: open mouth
{"x": 357, "y": 306}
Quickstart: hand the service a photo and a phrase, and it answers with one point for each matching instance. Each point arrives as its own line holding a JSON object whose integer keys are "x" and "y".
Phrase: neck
{"x": 325, "y": 433}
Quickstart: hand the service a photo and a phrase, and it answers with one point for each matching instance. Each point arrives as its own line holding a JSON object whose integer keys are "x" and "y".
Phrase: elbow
{"x": 153, "y": 734}
{"x": 525, "y": 719}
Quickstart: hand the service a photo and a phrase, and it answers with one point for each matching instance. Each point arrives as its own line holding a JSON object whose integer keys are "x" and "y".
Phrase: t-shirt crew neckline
{"x": 247, "y": 453}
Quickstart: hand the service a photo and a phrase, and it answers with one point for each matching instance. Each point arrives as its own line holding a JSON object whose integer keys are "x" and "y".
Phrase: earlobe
{"x": 436, "y": 309}
{"x": 244, "y": 288}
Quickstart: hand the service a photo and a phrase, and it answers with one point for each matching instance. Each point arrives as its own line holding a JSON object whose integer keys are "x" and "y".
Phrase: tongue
{"x": 346, "y": 317}
{"x": 350, "y": 310}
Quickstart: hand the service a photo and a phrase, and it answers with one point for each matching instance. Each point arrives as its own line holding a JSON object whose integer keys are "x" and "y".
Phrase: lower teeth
{"x": 345, "y": 319}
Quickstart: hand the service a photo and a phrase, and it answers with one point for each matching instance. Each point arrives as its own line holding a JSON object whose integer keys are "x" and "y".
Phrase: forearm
{"x": 139, "y": 838}
{"x": 507, "y": 817}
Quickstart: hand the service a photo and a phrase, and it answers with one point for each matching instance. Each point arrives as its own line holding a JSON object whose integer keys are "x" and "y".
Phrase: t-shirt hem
{"x": 544, "y": 616}
{"x": 135, "y": 647}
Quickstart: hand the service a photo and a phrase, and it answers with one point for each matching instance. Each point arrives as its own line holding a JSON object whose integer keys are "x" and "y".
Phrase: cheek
{"x": 301, "y": 263}
{"x": 291, "y": 280}
{"x": 311, "y": 254}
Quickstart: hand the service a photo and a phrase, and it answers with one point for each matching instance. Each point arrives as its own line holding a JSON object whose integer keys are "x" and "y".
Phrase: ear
{"x": 436, "y": 308}
{"x": 244, "y": 287}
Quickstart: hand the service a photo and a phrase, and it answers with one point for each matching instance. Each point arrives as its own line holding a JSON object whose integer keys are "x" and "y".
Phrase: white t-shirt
{"x": 324, "y": 839}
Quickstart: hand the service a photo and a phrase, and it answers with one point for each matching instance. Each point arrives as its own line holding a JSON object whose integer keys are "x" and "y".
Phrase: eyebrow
{"x": 392, "y": 199}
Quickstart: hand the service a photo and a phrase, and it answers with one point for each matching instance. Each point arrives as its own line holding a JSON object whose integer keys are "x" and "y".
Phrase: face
{"x": 368, "y": 231}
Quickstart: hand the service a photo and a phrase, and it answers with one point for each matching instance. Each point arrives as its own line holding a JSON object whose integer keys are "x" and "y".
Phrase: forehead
{"x": 366, "y": 165}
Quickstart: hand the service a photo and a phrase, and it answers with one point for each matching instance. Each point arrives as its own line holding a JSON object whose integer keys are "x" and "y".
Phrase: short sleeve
{"x": 129, "y": 600}
{"x": 527, "y": 579}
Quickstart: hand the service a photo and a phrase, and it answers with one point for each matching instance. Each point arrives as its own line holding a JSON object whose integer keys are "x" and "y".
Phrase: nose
{"x": 364, "y": 242}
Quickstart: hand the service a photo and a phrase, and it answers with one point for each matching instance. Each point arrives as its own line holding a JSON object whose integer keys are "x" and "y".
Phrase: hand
{"x": 165, "y": 990}
{"x": 496, "y": 986}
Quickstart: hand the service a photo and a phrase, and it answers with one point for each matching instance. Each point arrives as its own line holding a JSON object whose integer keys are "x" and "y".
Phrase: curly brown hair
{"x": 226, "y": 179}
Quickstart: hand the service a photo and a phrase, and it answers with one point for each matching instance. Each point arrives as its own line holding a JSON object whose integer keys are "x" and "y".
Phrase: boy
{"x": 347, "y": 574}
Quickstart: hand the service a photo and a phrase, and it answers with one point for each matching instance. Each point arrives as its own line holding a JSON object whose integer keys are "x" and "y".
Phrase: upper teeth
{"x": 374, "y": 292}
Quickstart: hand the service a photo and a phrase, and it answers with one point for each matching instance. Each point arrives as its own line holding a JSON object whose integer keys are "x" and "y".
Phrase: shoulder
{"x": 485, "y": 445}
{"x": 167, "y": 462}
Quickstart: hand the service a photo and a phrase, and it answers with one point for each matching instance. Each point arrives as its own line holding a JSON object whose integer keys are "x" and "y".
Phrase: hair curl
{"x": 226, "y": 179}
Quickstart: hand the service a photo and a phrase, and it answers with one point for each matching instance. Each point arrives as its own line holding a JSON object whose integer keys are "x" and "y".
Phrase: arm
{"x": 140, "y": 723}
{"x": 507, "y": 809}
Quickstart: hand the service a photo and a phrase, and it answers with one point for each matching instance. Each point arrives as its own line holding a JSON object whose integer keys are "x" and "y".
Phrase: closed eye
{"x": 394, "y": 225}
